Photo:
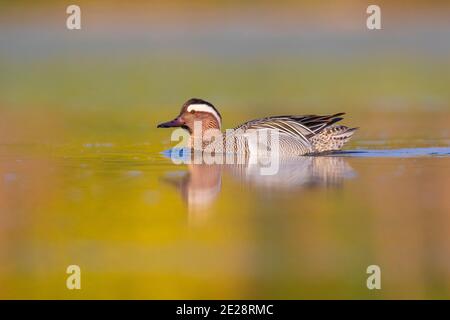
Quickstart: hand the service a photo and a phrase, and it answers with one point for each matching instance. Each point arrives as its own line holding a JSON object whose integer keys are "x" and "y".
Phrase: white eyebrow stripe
{"x": 204, "y": 108}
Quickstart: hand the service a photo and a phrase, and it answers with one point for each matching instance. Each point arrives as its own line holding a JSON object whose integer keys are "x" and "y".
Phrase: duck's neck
{"x": 203, "y": 132}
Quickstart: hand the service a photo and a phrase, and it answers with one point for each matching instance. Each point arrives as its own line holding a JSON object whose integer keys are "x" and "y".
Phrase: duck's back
{"x": 300, "y": 135}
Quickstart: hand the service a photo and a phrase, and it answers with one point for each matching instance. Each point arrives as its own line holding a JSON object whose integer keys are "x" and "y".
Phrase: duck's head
{"x": 192, "y": 111}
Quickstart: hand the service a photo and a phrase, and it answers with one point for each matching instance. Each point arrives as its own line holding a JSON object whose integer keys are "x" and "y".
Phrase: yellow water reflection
{"x": 82, "y": 180}
{"x": 222, "y": 232}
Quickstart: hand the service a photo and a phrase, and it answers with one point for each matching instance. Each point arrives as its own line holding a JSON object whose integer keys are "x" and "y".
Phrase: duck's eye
{"x": 192, "y": 111}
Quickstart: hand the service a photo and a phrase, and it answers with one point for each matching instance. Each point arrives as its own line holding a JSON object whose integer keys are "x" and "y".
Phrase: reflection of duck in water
{"x": 296, "y": 173}
{"x": 199, "y": 187}
{"x": 201, "y": 184}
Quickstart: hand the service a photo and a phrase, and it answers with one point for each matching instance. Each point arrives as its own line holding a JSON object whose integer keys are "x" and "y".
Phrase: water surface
{"x": 83, "y": 179}
{"x": 140, "y": 226}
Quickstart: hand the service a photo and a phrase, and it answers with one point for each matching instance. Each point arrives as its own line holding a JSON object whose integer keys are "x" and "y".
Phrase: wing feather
{"x": 299, "y": 126}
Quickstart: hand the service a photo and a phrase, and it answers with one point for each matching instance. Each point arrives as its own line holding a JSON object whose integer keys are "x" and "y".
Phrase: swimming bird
{"x": 298, "y": 134}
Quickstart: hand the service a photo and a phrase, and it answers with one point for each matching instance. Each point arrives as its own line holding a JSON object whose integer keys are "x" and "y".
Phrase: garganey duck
{"x": 298, "y": 135}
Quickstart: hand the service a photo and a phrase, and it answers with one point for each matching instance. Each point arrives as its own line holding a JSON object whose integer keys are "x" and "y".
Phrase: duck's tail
{"x": 332, "y": 138}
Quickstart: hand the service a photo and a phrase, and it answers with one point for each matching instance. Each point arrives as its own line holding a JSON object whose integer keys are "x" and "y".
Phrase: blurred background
{"x": 83, "y": 181}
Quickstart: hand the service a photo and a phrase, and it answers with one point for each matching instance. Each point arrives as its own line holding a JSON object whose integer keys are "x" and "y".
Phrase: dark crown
{"x": 200, "y": 101}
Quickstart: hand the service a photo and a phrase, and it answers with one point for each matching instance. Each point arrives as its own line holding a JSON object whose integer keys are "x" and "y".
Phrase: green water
{"x": 140, "y": 226}
{"x": 83, "y": 180}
